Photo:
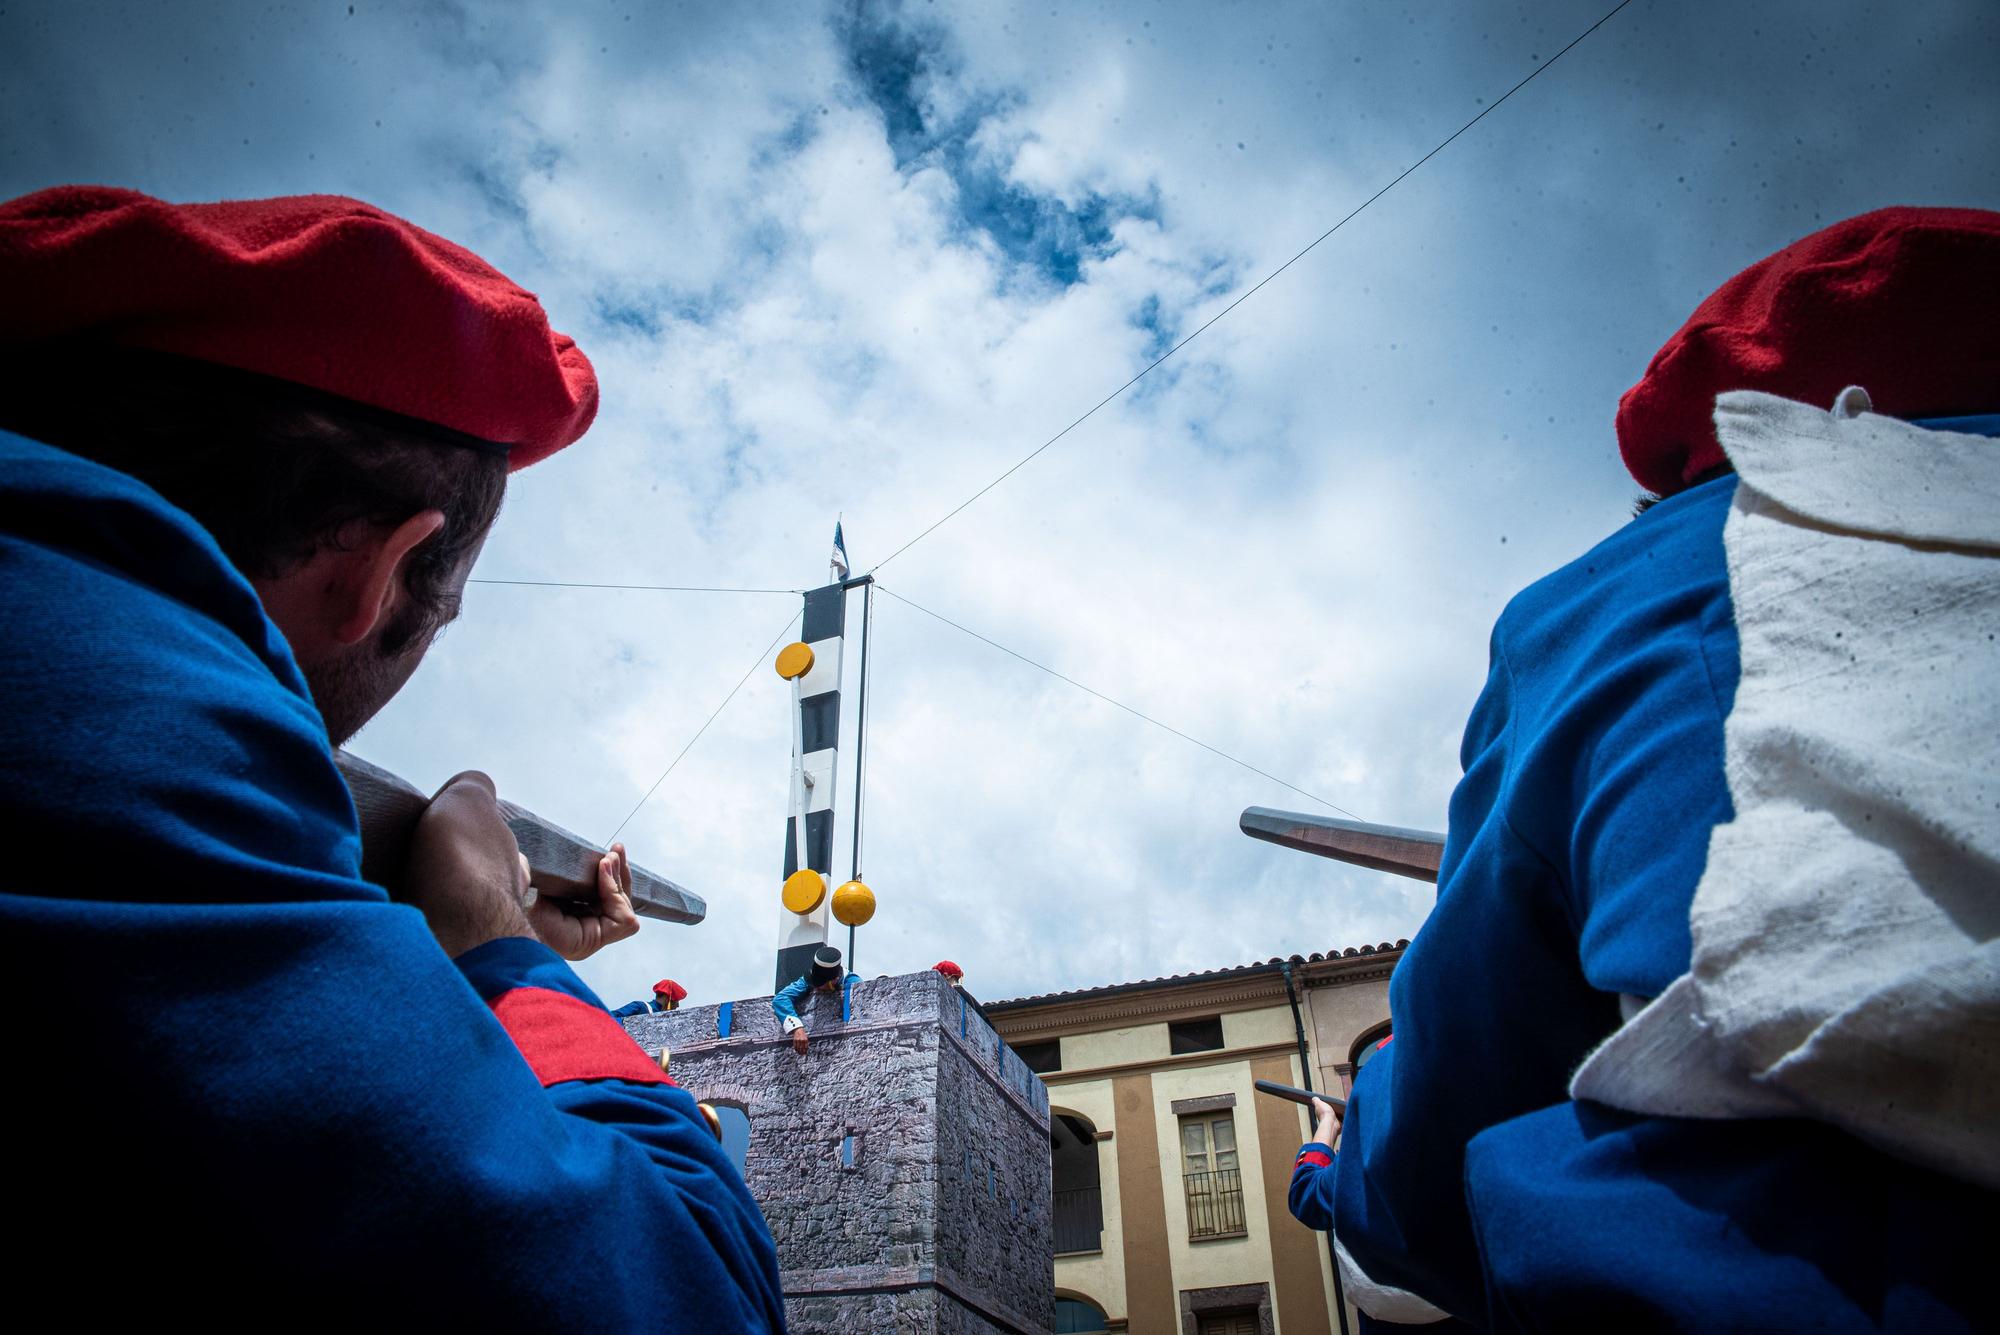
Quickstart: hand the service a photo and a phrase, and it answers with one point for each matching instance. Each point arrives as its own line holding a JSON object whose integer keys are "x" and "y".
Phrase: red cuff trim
{"x": 566, "y": 1038}
{"x": 1317, "y": 1158}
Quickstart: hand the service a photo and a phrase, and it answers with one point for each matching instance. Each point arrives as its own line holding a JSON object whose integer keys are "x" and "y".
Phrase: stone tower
{"x": 903, "y": 1162}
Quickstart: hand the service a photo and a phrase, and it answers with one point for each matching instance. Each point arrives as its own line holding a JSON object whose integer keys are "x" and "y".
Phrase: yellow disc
{"x": 804, "y": 889}
{"x": 794, "y": 661}
{"x": 665, "y": 1053}
{"x": 853, "y": 904}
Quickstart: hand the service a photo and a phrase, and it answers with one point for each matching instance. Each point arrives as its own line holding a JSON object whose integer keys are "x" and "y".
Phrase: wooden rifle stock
{"x": 561, "y": 865}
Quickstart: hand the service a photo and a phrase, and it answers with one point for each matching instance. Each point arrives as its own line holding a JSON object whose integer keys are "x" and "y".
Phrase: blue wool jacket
{"x": 785, "y": 1005}
{"x": 281, "y": 1097}
{"x": 1593, "y": 775}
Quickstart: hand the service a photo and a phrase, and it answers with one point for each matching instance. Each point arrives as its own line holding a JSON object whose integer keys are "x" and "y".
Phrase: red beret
{"x": 672, "y": 990}
{"x": 1900, "y": 301}
{"x": 317, "y": 290}
{"x": 948, "y": 969}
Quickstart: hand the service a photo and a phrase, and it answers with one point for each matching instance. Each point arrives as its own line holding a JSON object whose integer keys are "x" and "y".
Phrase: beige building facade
{"x": 1170, "y": 1171}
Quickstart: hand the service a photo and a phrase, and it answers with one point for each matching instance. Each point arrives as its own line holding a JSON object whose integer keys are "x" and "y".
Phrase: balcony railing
{"x": 1215, "y": 1203}
{"x": 1079, "y": 1220}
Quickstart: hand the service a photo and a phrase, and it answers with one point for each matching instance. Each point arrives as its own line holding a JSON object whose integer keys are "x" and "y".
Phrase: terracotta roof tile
{"x": 1255, "y": 966}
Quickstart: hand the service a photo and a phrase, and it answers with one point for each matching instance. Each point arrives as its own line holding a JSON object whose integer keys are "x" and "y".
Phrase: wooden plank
{"x": 1390, "y": 848}
{"x": 561, "y": 865}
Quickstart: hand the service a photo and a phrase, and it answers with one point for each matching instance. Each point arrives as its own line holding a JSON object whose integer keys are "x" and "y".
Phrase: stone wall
{"x": 903, "y": 1162}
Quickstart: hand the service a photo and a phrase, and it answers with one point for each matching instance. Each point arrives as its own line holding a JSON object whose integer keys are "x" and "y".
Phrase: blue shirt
{"x": 1593, "y": 775}
{"x": 282, "y": 1095}
{"x": 785, "y": 1005}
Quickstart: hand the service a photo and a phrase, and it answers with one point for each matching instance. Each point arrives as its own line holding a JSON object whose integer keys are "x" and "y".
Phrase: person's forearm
{"x": 784, "y": 1006}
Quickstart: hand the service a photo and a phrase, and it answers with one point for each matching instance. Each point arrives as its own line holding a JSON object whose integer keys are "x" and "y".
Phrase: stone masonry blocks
{"x": 941, "y": 1222}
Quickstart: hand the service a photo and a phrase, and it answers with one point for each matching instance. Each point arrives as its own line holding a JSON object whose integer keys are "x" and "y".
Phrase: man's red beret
{"x": 670, "y": 989}
{"x": 316, "y": 290}
{"x": 948, "y": 969}
{"x": 1901, "y": 301}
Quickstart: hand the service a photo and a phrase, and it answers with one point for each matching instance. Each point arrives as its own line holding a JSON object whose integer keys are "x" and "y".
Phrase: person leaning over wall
{"x": 251, "y": 451}
{"x": 1700, "y": 1032}
{"x": 823, "y": 975}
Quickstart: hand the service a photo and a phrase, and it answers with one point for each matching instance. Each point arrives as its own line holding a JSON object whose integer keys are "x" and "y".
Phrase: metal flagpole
{"x": 861, "y": 739}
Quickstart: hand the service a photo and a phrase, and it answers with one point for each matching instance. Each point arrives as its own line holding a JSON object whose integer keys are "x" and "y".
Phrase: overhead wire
{"x": 655, "y": 588}
{"x": 713, "y": 715}
{"x": 1204, "y": 326}
{"x": 1138, "y": 714}
{"x": 1028, "y": 458}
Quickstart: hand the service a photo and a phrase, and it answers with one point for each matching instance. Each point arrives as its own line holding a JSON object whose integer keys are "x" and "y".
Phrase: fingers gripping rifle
{"x": 561, "y": 865}
{"x": 1297, "y": 1095}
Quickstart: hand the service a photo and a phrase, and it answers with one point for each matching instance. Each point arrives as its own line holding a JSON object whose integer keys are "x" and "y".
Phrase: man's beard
{"x": 351, "y": 687}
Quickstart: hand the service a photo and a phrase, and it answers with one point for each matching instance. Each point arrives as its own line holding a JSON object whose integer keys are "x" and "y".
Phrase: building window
{"x": 1231, "y": 1309}
{"x": 1078, "y": 1206}
{"x": 1209, "y": 1174}
{"x": 1368, "y": 1045}
{"x": 1074, "y": 1316}
{"x": 1195, "y": 1035}
{"x": 735, "y": 1132}
{"x": 1041, "y": 1058}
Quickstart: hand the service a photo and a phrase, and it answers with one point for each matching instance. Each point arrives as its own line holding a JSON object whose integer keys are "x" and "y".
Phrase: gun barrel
{"x": 1297, "y": 1095}
{"x": 562, "y": 865}
{"x": 1388, "y": 848}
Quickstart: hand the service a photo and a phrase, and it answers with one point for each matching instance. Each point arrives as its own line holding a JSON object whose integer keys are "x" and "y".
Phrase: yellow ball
{"x": 853, "y": 904}
{"x": 794, "y": 660}
{"x": 803, "y": 891}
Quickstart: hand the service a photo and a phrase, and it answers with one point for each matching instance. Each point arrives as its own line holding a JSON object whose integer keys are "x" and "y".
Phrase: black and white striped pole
{"x": 813, "y": 667}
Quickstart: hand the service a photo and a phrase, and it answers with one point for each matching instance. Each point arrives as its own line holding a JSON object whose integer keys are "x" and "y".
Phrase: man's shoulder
{"x": 101, "y": 537}
{"x": 1653, "y": 573}
{"x": 154, "y": 712}
{"x": 29, "y": 467}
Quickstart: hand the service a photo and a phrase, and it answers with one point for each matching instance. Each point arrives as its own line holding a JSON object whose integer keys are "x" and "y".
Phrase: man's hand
{"x": 465, "y": 871}
{"x": 799, "y": 1041}
{"x": 576, "y": 929}
{"x": 1326, "y": 1123}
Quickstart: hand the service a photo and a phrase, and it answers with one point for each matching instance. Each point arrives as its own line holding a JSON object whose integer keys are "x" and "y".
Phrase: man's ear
{"x": 375, "y": 581}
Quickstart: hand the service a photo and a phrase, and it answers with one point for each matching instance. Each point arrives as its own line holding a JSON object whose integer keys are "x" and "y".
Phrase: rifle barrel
{"x": 1297, "y": 1095}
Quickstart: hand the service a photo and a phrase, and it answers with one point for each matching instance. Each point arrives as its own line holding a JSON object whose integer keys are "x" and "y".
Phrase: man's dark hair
{"x": 273, "y": 473}
{"x": 1646, "y": 500}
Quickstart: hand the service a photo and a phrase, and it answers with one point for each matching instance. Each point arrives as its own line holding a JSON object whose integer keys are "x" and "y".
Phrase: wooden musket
{"x": 1382, "y": 847}
{"x": 561, "y": 865}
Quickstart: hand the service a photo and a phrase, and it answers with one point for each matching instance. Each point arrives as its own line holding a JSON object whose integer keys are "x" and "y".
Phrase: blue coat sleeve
{"x": 280, "y": 1069}
{"x": 1561, "y": 885}
{"x": 632, "y": 1008}
{"x": 785, "y": 1004}
{"x": 1311, "y": 1193}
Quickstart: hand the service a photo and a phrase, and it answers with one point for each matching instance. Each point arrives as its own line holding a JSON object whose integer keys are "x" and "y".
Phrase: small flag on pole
{"x": 839, "y": 553}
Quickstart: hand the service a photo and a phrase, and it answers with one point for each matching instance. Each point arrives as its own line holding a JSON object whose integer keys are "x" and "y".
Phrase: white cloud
{"x": 803, "y": 300}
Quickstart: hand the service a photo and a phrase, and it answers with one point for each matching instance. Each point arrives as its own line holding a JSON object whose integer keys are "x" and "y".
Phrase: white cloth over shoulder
{"x": 1845, "y": 963}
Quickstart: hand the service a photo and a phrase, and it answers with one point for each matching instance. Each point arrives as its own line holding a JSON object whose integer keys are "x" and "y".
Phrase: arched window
{"x": 1368, "y": 1045}
{"x": 735, "y": 1132}
{"x": 1074, "y": 1316}
{"x": 1079, "y": 1212}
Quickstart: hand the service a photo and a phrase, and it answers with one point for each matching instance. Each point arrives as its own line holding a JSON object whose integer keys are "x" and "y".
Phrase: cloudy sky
{"x": 860, "y": 259}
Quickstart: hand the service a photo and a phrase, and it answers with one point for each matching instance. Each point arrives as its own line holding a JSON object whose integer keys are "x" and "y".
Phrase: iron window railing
{"x": 1215, "y": 1203}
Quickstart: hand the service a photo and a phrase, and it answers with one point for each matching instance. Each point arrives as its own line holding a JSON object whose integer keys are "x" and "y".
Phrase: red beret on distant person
{"x": 314, "y": 290}
{"x": 670, "y": 989}
{"x": 1901, "y": 301}
{"x": 949, "y": 970}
